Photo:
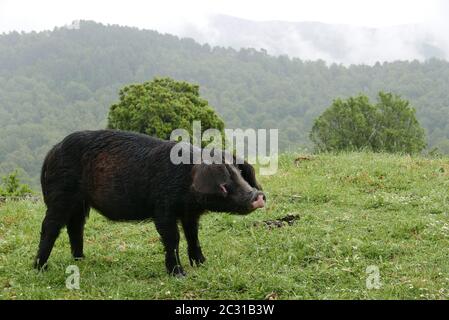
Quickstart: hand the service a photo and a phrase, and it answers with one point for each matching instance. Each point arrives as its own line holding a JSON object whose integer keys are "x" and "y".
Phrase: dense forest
{"x": 56, "y": 82}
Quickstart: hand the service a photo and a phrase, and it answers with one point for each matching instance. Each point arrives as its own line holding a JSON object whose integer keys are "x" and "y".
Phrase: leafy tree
{"x": 11, "y": 186}
{"x": 397, "y": 129}
{"x": 356, "y": 124}
{"x": 346, "y": 125}
{"x": 158, "y": 107}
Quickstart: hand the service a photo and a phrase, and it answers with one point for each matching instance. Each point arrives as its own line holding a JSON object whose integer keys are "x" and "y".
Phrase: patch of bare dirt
{"x": 288, "y": 220}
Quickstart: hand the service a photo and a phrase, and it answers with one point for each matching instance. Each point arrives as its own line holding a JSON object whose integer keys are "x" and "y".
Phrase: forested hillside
{"x": 53, "y": 83}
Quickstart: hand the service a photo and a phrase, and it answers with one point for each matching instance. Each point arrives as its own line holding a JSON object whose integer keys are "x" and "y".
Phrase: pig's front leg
{"x": 170, "y": 238}
{"x": 190, "y": 226}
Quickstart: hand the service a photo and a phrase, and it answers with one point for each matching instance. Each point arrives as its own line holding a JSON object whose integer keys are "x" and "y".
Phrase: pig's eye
{"x": 224, "y": 188}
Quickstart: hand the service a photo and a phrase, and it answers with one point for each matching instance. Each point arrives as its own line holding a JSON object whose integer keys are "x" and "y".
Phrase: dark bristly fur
{"x": 128, "y": 176}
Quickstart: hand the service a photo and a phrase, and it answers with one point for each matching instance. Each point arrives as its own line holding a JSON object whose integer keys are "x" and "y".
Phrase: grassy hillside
{"x": 355, "y": 210}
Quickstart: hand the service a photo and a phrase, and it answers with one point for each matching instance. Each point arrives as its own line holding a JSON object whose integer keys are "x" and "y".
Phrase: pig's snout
{"x": 258, "y": 200}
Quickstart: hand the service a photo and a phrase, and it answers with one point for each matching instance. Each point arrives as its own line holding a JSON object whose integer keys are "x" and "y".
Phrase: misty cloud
{"x": 333, "y": 43}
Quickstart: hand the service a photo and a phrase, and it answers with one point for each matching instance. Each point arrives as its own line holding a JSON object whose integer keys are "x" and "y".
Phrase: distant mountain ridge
{"x": 330, "y": 42}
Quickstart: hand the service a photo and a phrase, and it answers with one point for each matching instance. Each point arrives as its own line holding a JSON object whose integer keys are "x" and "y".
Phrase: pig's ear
{"x": 249, "y": 174}
{"x": 206, "y": 179}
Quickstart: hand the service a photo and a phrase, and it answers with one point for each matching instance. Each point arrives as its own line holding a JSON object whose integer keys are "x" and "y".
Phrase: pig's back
{"x": 123, "y": 175}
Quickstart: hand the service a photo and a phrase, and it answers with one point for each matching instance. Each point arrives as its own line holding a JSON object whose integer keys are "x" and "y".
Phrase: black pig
{"x": 128, "y": 176}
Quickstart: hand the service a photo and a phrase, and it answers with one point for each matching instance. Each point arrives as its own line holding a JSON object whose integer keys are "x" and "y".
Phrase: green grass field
{"x": 355, "y": 210}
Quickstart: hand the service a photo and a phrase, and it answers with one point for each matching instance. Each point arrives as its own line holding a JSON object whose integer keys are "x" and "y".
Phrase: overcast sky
{"x": 170, "y": 15}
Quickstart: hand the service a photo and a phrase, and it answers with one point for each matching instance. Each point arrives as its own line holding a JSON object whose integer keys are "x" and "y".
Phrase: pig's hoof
{"x": 40, "y": 267}
{"x": 178, "y": 272}
{"x": 180, "y": 275}
{"x": 199, "y": 260}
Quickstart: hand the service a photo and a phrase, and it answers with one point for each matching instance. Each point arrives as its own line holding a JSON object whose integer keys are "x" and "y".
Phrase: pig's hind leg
{"x": 50, "y": 229}
{"x": 56, "y": 217}
{"x": 75, "y": 229}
